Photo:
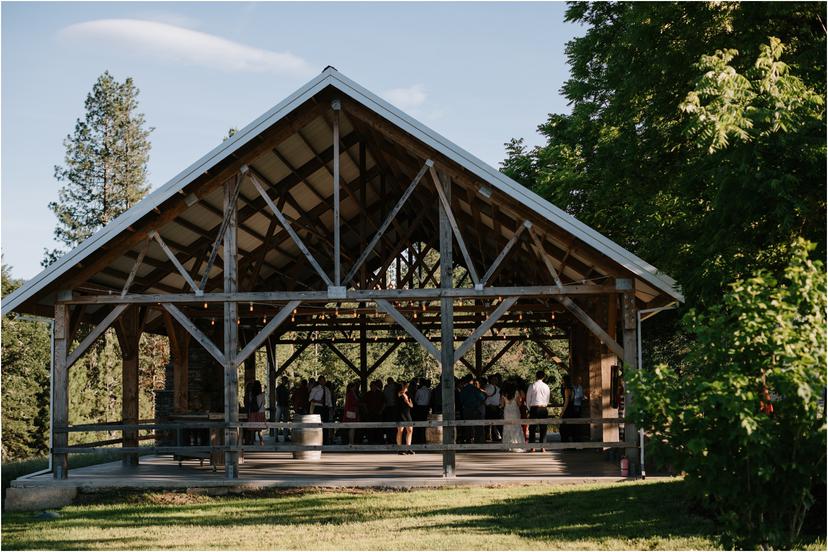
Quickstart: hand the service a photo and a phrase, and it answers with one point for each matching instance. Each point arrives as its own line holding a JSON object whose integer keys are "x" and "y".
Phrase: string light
{"x": 264, "y": 319}
{"x": 205, "y": 304}
{"x": 238, "y": 321}
{"x": 251, "y": 306}
{"x": 212, "y": 321}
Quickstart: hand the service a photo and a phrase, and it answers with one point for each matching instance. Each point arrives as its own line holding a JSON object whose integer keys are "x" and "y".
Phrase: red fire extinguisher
{"x": 625, "y": 467}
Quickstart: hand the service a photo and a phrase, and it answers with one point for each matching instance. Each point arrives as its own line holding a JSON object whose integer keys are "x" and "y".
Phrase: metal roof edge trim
{"x": 505, "y": 184}
{"x": 164, "y": 192}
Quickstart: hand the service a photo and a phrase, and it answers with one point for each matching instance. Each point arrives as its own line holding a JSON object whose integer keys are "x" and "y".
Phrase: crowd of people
{"x": 489, "y": 398}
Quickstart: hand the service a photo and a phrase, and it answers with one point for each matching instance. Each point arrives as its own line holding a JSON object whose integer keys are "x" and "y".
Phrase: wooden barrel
{"x": 434, "y": 435}
{"x": 307, "y": 436}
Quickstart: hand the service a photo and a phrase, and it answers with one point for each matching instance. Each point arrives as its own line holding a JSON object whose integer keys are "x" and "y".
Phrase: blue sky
{"x": 478, "y": 73}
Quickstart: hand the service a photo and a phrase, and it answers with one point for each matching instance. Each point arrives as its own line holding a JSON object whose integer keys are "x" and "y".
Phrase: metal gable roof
{"x": 331, "y": 77}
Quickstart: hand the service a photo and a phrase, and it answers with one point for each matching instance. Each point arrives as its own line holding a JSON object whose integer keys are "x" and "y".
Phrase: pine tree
{"x": 104, "y": 174}
{"x": 105, "y": 167}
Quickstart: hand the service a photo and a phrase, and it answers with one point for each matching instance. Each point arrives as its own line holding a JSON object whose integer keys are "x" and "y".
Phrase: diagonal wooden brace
{"x": 454, "y": 227}
{"x": 265, "y": 332}
{"x": 222, "y": 229}
{"x": 191, "y": 328}
{"x": 387, "y": 222}
{"x": 571, "y": 306}
{"x": 251, "y": 173}
{"x": 183, "y": 271}
{"x": 95, "y": 334}
{"x": 504, "y": 253}
{"x": 409, "y": 328}
{"x": 501, "y": 309}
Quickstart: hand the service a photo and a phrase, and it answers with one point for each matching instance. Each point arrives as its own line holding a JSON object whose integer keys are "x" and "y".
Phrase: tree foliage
{"x": 696, "y": 138}
{"x": 105, "y": 166}
{"x": 746, "y": 419}
{"x": 25, "y": 364}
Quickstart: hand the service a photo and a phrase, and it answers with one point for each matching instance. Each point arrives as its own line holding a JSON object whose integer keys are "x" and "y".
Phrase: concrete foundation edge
{"x": 23, "y": 499}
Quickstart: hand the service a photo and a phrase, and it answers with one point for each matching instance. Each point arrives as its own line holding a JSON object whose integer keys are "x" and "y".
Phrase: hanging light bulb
{"x": 238, "y": 321}
{"x": 424, "y": 307}
{"x": 205, "y": 304}
{"x": 212, "y": 321}
{"x": 264, "y": 319}
{"x": 415, "y": 315}
{"x": 251, "y": 306}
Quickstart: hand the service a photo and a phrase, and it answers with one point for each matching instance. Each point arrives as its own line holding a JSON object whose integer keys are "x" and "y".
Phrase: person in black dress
{"x": 404, "y": 405}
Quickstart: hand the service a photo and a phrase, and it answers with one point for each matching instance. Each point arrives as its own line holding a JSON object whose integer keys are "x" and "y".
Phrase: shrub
{"x": 745, "y": 419}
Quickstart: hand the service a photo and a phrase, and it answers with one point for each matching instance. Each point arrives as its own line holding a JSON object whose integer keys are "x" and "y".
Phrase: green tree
{"x": 103, "y": 175}
{"x": 25, "y": 365}
{"x": 695, "y": 139}
{"x": 745, "y": 419}
{"x": 105, "y": 166}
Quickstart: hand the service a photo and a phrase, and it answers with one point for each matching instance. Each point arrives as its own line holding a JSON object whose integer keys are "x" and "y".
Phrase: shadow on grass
{"x": 621, "y": 512}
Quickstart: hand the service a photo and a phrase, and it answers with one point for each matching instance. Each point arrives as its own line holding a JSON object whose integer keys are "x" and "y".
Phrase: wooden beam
{"x": 183, "y": 271}
{"x": 409, "y": 328}
{"x": 60, "y": 390}
{"x": 376, "y": 364}
{"x": 269, "y": 328}
{"x": 352, "y": 295}
{"x": 503, "y": 254}
{"x": 256, "y": 179}
{"x": 231, "y": 332}
{"x": 135, "y": 268}
{"x": 128, "y": 329}
{"x": 484, "y": 327}
{"x": 446, "y": 326}
{"x": 540, "y": 250}
{"x": 225, "y": 221}
{"x": 94, "y": 335}
{"x": 337, "y": 246}
{"x": 342, "y": 356}
{"x": 191, "y": 328}
{"x": 387, "y": 222}
{"x": 446, "y": 203}
{"x": 503, "y": 350}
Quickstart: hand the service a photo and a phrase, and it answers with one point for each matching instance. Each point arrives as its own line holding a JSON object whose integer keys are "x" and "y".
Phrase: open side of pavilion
{"x": 336, "y": 212}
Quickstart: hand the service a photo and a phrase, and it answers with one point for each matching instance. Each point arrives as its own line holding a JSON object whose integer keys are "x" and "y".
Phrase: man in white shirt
{"x": 493, "y": 412}
{"x": 422, "y": 400}
{"x": 537, "y": 399}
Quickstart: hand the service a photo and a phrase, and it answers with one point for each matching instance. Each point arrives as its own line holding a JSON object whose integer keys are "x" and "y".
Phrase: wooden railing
{"x": 178, "y": 427}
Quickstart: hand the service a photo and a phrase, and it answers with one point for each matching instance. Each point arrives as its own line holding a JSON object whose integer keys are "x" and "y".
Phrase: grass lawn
{"x": 640, "y": 515}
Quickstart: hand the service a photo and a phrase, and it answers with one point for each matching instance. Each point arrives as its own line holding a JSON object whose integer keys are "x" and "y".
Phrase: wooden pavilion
{"x": 293, "y": 224}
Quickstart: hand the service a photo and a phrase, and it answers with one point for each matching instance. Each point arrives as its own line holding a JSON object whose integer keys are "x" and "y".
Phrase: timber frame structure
{"x": 327, "y": 213}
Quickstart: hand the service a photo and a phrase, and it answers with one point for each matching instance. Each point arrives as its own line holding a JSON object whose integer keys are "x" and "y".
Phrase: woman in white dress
{"x": 512, "y": 433}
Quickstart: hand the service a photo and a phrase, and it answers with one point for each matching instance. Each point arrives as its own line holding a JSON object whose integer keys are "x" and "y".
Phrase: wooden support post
{"x": 272, "y": 360}
{"x": 60, "y": 400}
{"x": 179, "y": 340}
{"x": 447, "y": 331}
{"x": 335, "y": 105}
{"x": 600, "y": 362}
{"x": 363, "y": 353}
{"x": 231, "y": 335}
{"x": 128, "y": 330}
{"x": 629, "y": 318}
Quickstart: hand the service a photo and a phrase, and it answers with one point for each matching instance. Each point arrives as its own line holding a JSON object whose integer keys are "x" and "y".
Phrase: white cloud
{"x": 174, "y": 43}
{"x": 410, "y": 97}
